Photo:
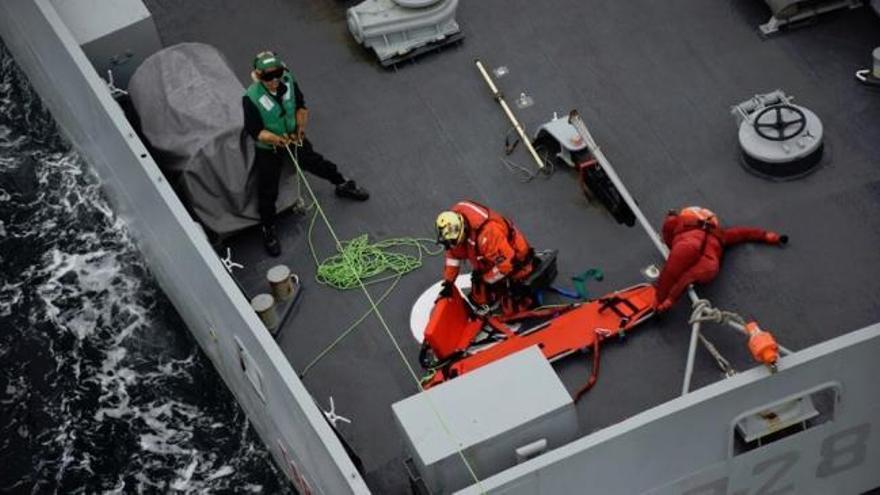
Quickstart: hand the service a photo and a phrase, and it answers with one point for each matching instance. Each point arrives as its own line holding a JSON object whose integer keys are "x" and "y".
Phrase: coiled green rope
{"x": 371, "y": 263}
{"x": 375, "y": 309}
{"x": 359, "y": 263}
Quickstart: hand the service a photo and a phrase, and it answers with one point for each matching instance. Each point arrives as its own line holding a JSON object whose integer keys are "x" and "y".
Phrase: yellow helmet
{"x": 450, "y": 228}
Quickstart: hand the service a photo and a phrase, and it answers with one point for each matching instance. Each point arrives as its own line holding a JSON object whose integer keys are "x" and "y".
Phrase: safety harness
{"x": 696, "y": 218}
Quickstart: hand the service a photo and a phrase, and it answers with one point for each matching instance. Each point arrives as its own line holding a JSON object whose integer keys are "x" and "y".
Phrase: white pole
{"x": 692, "y": 351}
{"x": 510, "y": 116}
{"x": 575, "y": 119}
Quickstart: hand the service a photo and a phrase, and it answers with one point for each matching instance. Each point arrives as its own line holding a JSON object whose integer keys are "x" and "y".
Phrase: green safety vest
{"x": 274, "y": 119}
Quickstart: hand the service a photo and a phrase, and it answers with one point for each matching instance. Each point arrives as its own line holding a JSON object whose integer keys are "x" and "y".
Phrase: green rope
{"x": 344, "y": 334}
{"x": 356, "y": 262}
{"x": 375, "y": 310}
{"x": 361, "y": 261}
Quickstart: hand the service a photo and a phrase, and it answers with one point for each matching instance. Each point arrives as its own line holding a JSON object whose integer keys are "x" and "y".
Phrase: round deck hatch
{"x": 781, "y": 142}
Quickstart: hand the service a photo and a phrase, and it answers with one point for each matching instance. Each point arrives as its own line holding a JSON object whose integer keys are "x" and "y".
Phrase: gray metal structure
{"x": 686, "y": 446}
{"x": 654, "y": 87}
{"x": 486, "y": 416}
{"x": 563, "y": 133}
{"x": 777, "y": 137}
{"x": 394, "y": 29}
{"x": 118, "y": 44}
{"x": 789, "y": 12}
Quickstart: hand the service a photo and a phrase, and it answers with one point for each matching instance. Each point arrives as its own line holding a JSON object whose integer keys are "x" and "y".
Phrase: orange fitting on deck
{"x": 762, "y": 345}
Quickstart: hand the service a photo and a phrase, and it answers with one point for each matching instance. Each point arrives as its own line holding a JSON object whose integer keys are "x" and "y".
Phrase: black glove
{"x": 445, "y": 289}
{"x": 519, "y": 291}
{"x": 776, "y": 239}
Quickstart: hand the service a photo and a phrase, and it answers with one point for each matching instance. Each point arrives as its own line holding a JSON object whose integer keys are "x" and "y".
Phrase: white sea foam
{"x": 225, "y": 470}
{"x": 83, "y": 301}
{"x": 10, "y": 297}
{"x": 182, "y": 482}
{"x": 7, "y": 139}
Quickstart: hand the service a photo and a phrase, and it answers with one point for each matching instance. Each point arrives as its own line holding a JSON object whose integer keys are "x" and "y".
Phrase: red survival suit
{"x": 498, "y": 253}
{"x": 696, "y": 243}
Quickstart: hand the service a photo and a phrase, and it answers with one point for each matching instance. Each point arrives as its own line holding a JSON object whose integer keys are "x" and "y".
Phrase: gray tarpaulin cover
{"x": 189, "y": 104}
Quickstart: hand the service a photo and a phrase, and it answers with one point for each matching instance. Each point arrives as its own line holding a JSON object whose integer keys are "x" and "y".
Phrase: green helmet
{"x": 267, "y": 60}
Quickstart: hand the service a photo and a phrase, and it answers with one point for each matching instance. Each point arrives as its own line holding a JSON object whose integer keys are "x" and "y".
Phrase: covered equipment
{"x": 789, "y": 12}
{"x": 399, "y": 29}
{"x": 188, "y": 101}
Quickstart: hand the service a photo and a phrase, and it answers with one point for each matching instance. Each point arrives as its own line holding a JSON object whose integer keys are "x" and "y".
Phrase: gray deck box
{"x": 490, "y": 412}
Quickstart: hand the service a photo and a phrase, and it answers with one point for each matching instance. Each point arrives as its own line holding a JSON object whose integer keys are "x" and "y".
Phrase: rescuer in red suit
{"x": 696, "y": 243}
{"x": 498, "y": 252}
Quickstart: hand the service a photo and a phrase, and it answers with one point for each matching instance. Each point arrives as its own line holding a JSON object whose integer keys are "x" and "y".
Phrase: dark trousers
{"x": 514, "y": 297}
{"x": 268, "y": 165}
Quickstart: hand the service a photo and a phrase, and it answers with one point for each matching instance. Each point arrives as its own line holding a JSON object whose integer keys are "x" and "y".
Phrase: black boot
{"x": 349, "y": 189}
{"x": 270, "y": 240}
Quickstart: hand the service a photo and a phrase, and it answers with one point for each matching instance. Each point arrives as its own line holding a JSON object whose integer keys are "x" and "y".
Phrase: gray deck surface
{"x": 654, "y": 81}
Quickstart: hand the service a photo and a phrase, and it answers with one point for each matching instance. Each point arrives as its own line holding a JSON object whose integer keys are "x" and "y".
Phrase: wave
{"x": 101, "y": 389}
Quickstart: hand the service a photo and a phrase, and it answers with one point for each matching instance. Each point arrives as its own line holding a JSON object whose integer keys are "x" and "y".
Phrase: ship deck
{"x": 654, "y": 82}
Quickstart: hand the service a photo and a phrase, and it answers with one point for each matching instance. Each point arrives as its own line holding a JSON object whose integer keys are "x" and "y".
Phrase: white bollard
{"x": 264, "y": 305}
{"x": 876, "y": 71}
{"x": 281, "y": 282}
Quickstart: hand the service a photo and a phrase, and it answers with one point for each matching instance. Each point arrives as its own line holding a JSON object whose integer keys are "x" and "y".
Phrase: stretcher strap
{"x": 594, "y": 371}
{"x": 611, "y": 302}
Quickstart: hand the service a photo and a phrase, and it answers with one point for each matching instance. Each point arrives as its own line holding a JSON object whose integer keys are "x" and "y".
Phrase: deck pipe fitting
{"x": 264, "y": 305}
{"x": 651, "y": 273}
{"x": 281, "y": 282}
{"x": 871, "y": 77}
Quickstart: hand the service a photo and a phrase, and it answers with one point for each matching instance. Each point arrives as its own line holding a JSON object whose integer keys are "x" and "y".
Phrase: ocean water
{"x": 102, "y": 390}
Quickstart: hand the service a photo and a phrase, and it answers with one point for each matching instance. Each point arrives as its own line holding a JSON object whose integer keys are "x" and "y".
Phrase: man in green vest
{"x": 275, "y": 115}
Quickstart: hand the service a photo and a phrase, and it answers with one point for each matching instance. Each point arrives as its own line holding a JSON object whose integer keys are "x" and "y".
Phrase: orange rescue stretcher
{"x": 459, "y": 340}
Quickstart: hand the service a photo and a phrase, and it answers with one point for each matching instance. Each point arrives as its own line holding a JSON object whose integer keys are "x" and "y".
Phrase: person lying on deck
{"x": 696, "y": 243}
